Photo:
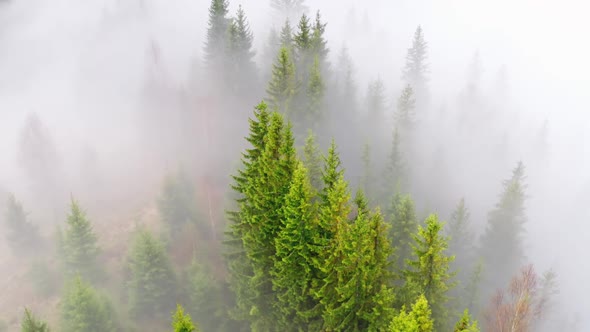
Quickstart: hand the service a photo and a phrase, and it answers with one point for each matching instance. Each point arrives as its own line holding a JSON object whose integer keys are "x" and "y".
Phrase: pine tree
{"x": 303, "y": 41}
{"x": 501, "y": 244}
{"x": 30, "y": 323}
{"x": 79, "y": 245}
{"x": 315, "y": 97}
{"x": 294, "y": 270}
{"x": 417, "y": 320}
{"x": 394, "y": 177}
{"x": 215, "y": 45}
{"x": 182, "y": 322}
{"x": 243, "y": 67}
{"x": 465, "y": 324}
{"x": 429, "y": 273}
{"x": 403, "y": 226}
{"x": 367, "y": 179}
{"x": 318, "y": 42}
{"x": 312, "y": 161}
{"x": 84, "y": 310}
{"x": 22, "y": 235}
{"x": 177, "y": 201}
{"x": 283, "y": 84}
{"x": 151, "y": 282}
{"x": 286, "y": 36}
{"x": 406, "y": 104}
{"x": 416, "y": 68}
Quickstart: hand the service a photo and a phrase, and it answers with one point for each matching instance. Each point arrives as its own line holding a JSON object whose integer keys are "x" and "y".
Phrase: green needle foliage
{"x": 182, "y": 322}
{"x": 83, "y": 309}
{"x": 417, "y": 320}
{"x": 30, "y": 323}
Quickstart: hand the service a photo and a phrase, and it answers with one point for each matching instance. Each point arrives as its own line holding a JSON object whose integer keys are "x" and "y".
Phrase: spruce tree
{"x": 367, "y": 179}
{"x": 465, "y": 324}
{"x": 347, "y": 88}
{"x": 79, "y": 245}
{"x": 318, "y": 42}
{"x": 501, "y": 244}
{"x": 403, "y": 226}
{"x": 303, "y": 42}
{"x": 177, "y": 202}
{"x": 204, "y": 296}
{"x": 239, "y": 266}
{"x": 394, "y": 177}
{"x": 312, "y": 160}
{"x": 315, "y": 96}
{"x": 182, "y": 322}
{"x": 417, "y": 320}
{"x": 416, "y": 68}
{"x": 405, "y": 112}
{"x": 283, "y": 84}
{"x": 243, "y": 68}
{"x": 151, "y": 282}
{"x": 294, "y": 269}
{"x": 286, "y": 36}
{"x": 30, "y": 323}
{"x": 85, "y": 310}
{"x": 215, "y": 44}
{"x": 22, "y": 235}
{"x": 429, "y": 273}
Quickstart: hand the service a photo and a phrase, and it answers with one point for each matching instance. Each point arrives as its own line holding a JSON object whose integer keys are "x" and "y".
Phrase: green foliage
{"x": 242, "y": 66}
{"x": 204, "y": 296}
{"x": 283, "y": 84}
{"x": 182, "y": 322}
{"x": 84, "y": 310}
{"x": 216, "y": 33}
{"x": 79, "y": 245}
{"x": 30, "y": 323}
{"x": 403, "y": 226}
{"x": 177, "y": 202}
{"x": 416, "y": 68}
{"x": 501, "y": 244}
{"x": 367, "y": 181}
{"x": 394, "y": 177}
{"x": 406, "y": 104}
{"x": 417, "y": 320}
{"x": 151, "y": 283}
{"x": 21, "y": 235}
{"x": 318, "y": 42}
{"x": 465, "y": 324}
{"x": 312, "y": 161}
{"x": 286, "y": 36}
{"x": 428, "y": 273}
{"x": 315, "y": 96}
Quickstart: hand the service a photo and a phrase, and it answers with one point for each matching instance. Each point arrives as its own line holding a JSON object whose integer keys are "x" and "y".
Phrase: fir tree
{"x": 403, "y": 226}
{"x": 347, "y": 87}
{"x": 501, "y": 244}
{"x": 394, "y": 177}
{"x": 239, "y": 266}
{"x": 429, "y": 273}
{"x": 312, "y": 161}
{"x": 151, "y": 283}
{"x": 417, "y": 320}
{"x": 465, "y": 324}
{"x": 303, "y": 41}
{"x": 182, "y": 322}
{"x": 375, "y": 110}
{"x": 203, "y": 293}
{"x": 318, "y": 42}
{"x": 283, "y": 84}
{"x": 79, "y": 245}
{"x": 367, "y": 179}
{"x": 286, "y": 36}
{"x": 416, "y": 67}
{"x": 84, "y": 310}
{"x": 243, "y": 69}
{"x": 315, "y": 97}
{"x": 22, "y": 235}
{"x": 294, "y": 270}
{"x": 177, "y": 201}
{"x": 406, "y": 104}
{"x": 30, "y": 323}
{"x": 215, "y": 45}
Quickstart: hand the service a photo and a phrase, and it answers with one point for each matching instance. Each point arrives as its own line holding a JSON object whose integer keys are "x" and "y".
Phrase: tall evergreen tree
{"x": 85, "y": 310}
{"x": 347, "y": 88}
{"x": 204, "y": 296}
{"x": 312, "y": 160}
{"x": 286, "y": 36}
{"x": 239, "y": 266}
{"x": 80, "y": 245}
{"x": 177, "y": 202}
{"x": 394, "y": 177}
{"x": 30, "y": 323}
{"x": 315, "y": 96}
{"x": 288, "y": 9}
{"x": 318, "y": 42}
{"x": 216, "y": 40}
{"x": 416, "y": 68}
{"x": 375, "y": 110}
{"x": 405, "y": 112}
{"x": 303, "y": 41}
{"x": 151, "y": 282}
{"x": 403, "y": 226}
{"x": 501, "y": 244}
{"x": 417, "y": 320}
{"x": 283, "y": 84}
{"x": 182, "y": 322}
{"x": 22, "y": 235}
{"x": 367, "y": 180}
{"x": 465, "y": 324}
{"x": 429, "y": 273}
{"x": 241, "y": 53}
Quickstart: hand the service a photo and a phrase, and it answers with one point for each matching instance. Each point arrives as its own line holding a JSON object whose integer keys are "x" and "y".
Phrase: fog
{"x": 119, "y": 88}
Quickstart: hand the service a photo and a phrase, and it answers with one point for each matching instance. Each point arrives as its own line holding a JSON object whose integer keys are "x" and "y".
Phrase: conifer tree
{"x": 283, "y": 84}
{"x": 347, "y": 87}
{"x": 367, "y": 179}
{"x": 84, "y": 310}
{"x": 501, "y": 244}
{"x": 79, "y": 245}
{"x": 318, "y": 42}
{"x": 375, "y": 110}
{"x": 312, "y": 160}
{"x": 288, "y": 9}
{"x": 294, "y": 270}
{"x": 215, "y": 45}
{"x": 303, "y": 41}
{"x": 151, "y": 282}
{"x": 465, "y": 324}
{"x": 315, "y": 97}
{"x": 417, "y": 320}
{"x": 394, "y": 177}
{"x": 243, "y": 67}
{"x": 177, "y": 201}
{"x": 203, "y": 293}
{"x": 429, "y": 273}
{"x": 416, "y": 67}
{"x": 182, "y": 322}
{"x": 22, "y": 235}
{"x": 403, "y": 226}
{"x": 30, "y": 323}
{"x": 286, "y": 36}
{"x": 406, "y": 104}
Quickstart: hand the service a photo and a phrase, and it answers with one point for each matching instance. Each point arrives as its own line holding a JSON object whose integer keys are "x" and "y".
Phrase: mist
{"x": 119, "y": 97}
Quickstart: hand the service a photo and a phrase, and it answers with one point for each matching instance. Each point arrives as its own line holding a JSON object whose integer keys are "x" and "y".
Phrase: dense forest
{"x": 276, "y": 193}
